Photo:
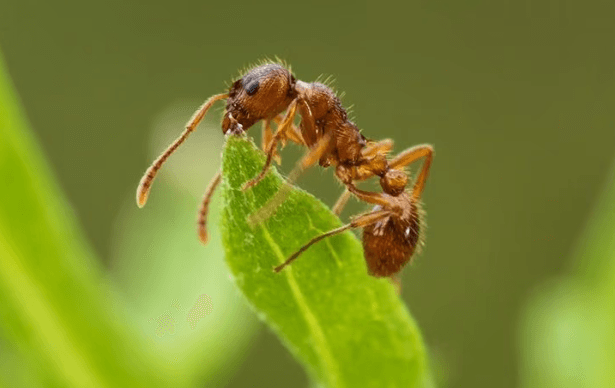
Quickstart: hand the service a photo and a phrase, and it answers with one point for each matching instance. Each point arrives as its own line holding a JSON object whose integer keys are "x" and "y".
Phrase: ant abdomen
{"x": 390, "y": 243}
{"x": 263, "y": 93}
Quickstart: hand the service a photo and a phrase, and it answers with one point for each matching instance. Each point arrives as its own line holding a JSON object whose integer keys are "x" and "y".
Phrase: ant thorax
{"x": 263, "y": 93}
{"x": 322, "y": 114}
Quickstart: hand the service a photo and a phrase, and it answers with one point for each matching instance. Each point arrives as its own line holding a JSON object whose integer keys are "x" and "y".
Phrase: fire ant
{"x": 264, "y": 93}
{"x": 391, "y": 232}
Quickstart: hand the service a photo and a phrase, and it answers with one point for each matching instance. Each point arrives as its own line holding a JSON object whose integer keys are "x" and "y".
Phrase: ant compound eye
{"x": 251, "y": 88}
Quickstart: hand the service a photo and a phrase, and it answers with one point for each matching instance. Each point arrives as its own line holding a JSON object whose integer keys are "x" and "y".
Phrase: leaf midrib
{"x": 318, "y": 336}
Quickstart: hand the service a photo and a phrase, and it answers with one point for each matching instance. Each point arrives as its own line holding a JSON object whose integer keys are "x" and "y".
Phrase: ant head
{"x": 263, "y": 93}
{"x": 394, "y": 182}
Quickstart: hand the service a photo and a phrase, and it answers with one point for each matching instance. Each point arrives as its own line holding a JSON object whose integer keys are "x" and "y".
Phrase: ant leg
{"x": 309, "y": 131}
{"x": 150, "y": 174}
{"x": 267, "y": 135}
{"x": 372, "y": 149}
{"x": 309, "y": 159}
{"x": 359, "y": 222}
{"x": 370, "y": 197}
{"x": 279, "y": 135}
{"x": 204, "y": 209}
{"x": 396, "y": 282}
{"x": 294, "y": 134}
{"x": 266, "y": 140}
{"x": 341, "y": 202}
{"x": 410, "y": 155}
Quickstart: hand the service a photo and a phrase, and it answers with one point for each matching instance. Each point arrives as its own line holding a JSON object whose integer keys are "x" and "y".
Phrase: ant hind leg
{"x": 359, "y": 222}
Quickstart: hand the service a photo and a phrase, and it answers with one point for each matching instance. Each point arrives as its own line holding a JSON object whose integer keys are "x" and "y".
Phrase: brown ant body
{"x": 262, "y": 94}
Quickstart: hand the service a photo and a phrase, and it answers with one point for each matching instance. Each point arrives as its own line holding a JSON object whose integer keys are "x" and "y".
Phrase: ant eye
{"x": 251, "y": 88}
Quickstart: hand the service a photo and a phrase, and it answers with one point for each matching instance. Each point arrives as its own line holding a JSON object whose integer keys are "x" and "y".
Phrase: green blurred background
{"x": 516, "y": 97}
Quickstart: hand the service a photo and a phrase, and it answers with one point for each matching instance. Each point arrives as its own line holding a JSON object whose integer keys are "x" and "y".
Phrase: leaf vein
{"x": 317, "y": 333}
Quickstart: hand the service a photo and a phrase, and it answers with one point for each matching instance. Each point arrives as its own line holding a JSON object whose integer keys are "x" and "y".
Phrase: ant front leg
{"x": 293, "y": 134}
{"x": 266, "y": 140}
{"x": 279, "y": 135}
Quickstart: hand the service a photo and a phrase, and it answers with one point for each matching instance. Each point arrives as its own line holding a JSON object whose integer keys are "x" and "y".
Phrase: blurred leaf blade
{"x": 56, "y": 305}
{"x": 162, "y": 269}
{"x": 347, "y": 328}
{"x": 568, "y": 328}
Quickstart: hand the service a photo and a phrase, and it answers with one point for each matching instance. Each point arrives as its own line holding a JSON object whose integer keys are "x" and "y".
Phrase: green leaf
{"x": 56, "y": 310}
{"x": 347, "y": 328}
{"x": 568, "y": 327}
{"x": 162, "y": 268}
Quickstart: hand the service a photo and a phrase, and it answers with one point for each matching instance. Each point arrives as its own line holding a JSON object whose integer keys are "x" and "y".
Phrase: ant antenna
{"x": 150, "y": 174}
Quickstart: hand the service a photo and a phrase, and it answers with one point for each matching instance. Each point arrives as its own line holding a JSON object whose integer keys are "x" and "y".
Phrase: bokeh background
{"x": 516, "y": 97}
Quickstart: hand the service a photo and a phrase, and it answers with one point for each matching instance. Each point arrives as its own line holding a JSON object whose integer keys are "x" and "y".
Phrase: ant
{"x": 263, "y": 93}
{"x": 392, "y": 230}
